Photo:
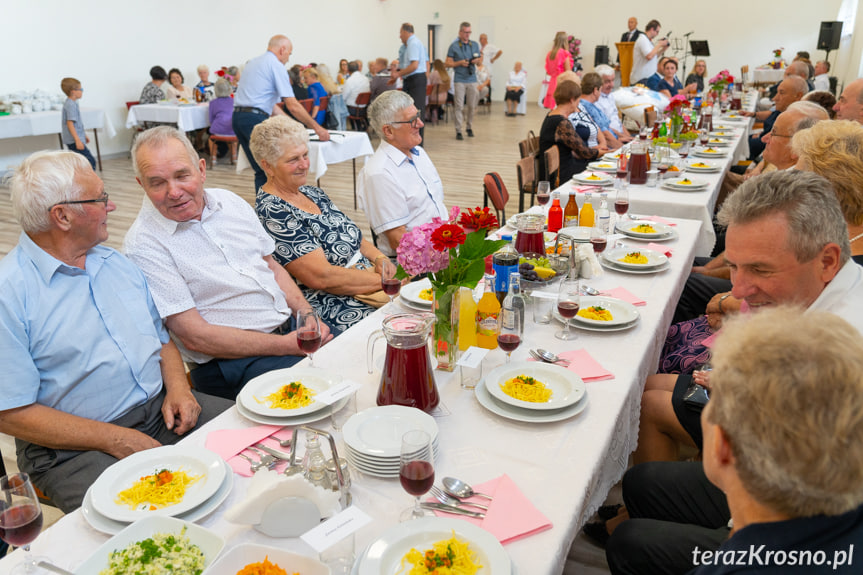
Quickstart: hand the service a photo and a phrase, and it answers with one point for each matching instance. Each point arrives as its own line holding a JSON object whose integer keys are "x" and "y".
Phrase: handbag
{"x": 331, "y": 122}
{"x": 696, "y": 397}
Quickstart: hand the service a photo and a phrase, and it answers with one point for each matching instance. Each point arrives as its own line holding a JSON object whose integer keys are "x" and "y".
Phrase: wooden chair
{"x": 552, "y": 165}
{"x": 324, "y": 102}
{"x": 432, "y": 110}
{"x": 357, "y": 114}
{"x": 526, "y": 169}
{"x": 232, "y": 144}
{"x": 649, "y": 116}
{"x": 485, "y": 103}
{"x": 494, "y": 188}
{"x": 308, "y": 104}
{"x": 526, "y": 146}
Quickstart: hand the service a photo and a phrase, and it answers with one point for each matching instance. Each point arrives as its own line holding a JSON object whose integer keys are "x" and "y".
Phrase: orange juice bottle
{"x": 466, "y": 319}
{"x": 487, "y": 311}
{"x": 587, "y": 215}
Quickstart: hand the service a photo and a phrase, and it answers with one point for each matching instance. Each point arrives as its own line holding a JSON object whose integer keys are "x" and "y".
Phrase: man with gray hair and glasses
{"x": 399, "y": 187}
{"x": 607, "y": 104}
{"x": 91, "y": 375}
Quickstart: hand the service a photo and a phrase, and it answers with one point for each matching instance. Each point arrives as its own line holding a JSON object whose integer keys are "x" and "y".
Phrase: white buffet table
{"x": 565, "y": 469}
{"x": 187, "y": 117}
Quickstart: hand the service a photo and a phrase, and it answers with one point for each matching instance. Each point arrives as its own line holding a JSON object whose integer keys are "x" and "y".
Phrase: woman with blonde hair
{"x": 438, "y": 77}
{"x": 557, "y": 61}
{"x": 327, "y": 80}
{"x": 698, "y": 76}
{"x": 316, "y": 91}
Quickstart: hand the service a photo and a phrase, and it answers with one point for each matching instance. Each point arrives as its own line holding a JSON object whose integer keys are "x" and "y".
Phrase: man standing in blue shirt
{"x": 90, "y": 374}
{"x": 264, "y": 83}
{"x": 463, "y": 56}
{"x": 413, "y": 67}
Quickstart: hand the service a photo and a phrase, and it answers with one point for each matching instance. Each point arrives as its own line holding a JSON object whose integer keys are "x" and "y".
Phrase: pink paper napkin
{"x": 585, "y": 189}
{"x": 624, "y": 294}
{"x": 659, "y": 220}
{"x": 581, "y": 363}
{"x": 227, "y": 443}
{"x": 660, "y": 248}
{"x": 510, "y": 514}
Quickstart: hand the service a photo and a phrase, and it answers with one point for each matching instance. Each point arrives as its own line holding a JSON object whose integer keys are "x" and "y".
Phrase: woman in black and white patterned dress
{"x": 318, "y": 244}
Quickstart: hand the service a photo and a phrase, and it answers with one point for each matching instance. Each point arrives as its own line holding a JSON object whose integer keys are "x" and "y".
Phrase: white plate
{"x": 567, "y": 388}
{"x": 243, "y": 554}
{"x": 718, "y": 143}
{"x": 254, "y": 393}
{"x": 627, "y": 228}
{"x": 613, "y": 156}
{"x": 622, "y": 312}
{"x": 209, "y": 543}
{"x": 727, "y": 134}
{"x": 654, "y": 259}
{"x": 683, "y": 189}
{"x": 105, "y": 525}
{"x": 707, "y": 153}
{"x": 526, "y": 415}
{"x": 703, "y": 167}
{"x": 384, "y": 555}
{"x": 411, "y": 293}
{"x": 724, "y": 128}
{"x": 383, "y": 462}
{"x": 603, "y": 166}
{"x": 376, "y": 470}
{"x": 411, "y": 307}
{"x": 677, "y": 183}
{"x": 123, "y": 474}
{"x": 593, "y": 178}
{"x": 298, "y": 420}
{"x": 581, "y": 234}
{"x": 611, "y": 265}
{"x": 597, "y": 328}
{"x": 378, "y": 431}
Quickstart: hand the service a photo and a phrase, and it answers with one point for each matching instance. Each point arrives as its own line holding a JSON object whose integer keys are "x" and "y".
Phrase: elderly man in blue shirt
{"x": 463, "y": 57}
{"x": 91, "y": 375}
{"x": 591, "y": 85}
{"x": 413, "y": 67}
{"x": 263, "y": 84}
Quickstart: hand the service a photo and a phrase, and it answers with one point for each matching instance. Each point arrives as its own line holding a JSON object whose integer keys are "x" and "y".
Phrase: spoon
{"x": 448, "y": 499}
{"x": 546, "y": 355}
{"x": 590, "y": 291}
{"x": 458, "y": 488}
{"x": 255, "y": 466}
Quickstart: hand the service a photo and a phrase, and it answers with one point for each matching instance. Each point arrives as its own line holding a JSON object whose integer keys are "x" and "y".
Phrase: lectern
{"x": 624, "y": 51}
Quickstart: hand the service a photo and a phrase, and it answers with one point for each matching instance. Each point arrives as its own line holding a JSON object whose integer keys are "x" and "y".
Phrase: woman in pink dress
{"x": 557, "y": 61}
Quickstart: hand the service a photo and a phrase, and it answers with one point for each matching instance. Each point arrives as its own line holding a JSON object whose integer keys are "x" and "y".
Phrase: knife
{"x": 54, "y": 568}
{"x": 451, "y": 509}
{"x": 275, "y": 453}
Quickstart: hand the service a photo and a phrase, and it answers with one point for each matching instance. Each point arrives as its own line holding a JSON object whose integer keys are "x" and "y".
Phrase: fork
{"x": 266, "y": 458}
{"x": 255, "y": 466}
{"x": 448, "y": 499}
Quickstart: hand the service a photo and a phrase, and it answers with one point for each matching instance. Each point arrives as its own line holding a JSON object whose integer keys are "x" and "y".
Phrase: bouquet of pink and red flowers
{"x": 721, "y": 80}
{"x": 676, "y": 104}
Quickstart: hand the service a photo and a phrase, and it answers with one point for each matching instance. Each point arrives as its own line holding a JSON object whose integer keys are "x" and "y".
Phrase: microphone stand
{"x": 686, "y": 52}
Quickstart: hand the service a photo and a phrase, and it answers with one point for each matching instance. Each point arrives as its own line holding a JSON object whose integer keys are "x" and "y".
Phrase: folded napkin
{"x": 585, "y": 189}
{"x": 659, "y": 220}
{"x": 624, "y": 294}
{"x": 581, "y": 363}
{"x": 227, "y": 443}
{"x": 510, "y": 514}
{"x": 660, "y": 248}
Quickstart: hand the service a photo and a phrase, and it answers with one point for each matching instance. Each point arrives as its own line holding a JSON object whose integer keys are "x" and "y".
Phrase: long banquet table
{"x": 565, "y": 469}
{"x": 188, "y": 117}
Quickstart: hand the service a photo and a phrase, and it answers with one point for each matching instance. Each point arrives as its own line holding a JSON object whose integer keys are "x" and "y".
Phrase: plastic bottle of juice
{"x": 587, "y": 215}
{"x": 487, "y": 311}
{"x": 466, "y": 319}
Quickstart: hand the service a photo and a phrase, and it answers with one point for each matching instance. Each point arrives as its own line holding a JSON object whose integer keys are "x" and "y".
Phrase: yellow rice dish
{"x": 644, "y": 229}
{"x": 593, "y": 177}
{"x": 162, "y": 489}
{"x": 526, "y": 388}
{"x": 595, "y": 312}
{"x": 291, "y": 396}
{"x": 447, "y": 557}
{"x": 634, "y": 258}
{"x": 426, "y": 294}
{"x": 700, "y": 165}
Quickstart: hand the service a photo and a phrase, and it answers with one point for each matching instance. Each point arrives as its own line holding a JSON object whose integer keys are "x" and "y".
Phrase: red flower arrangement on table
{"x": 452, "y": 257}
{"x": 678, "y": 111}
{"x": 721, "y": 80}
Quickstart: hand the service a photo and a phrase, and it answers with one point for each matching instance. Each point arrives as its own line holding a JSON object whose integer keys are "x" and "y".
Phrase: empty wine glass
{"x": 309, "y": 332}
{"x": 389, "y": 283}
{"x": 416, "y": 470}
{"x": 568, "y": 301}
{"x": 20, "y": 519}
{"x": 509, "y": 331}
{"x": 543, "y": 192}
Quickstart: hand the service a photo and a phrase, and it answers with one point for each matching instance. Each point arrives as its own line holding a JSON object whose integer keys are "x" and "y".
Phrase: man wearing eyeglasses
{"x": 90, "y": 374}
{"x": 399, "y": 187}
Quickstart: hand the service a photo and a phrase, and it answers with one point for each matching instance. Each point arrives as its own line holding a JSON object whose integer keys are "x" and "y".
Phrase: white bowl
{"x": 245, "y": 553}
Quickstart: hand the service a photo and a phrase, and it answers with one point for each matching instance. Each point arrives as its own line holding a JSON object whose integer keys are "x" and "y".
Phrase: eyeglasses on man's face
{"x": 101, "y": 199}
{"x": 413, "y": 121}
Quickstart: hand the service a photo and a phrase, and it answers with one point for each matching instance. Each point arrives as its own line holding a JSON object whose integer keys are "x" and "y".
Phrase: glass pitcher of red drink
{"x": 530, "y": 234}
{"x": 638, "y": 162}
{"x": 407, "y": 377}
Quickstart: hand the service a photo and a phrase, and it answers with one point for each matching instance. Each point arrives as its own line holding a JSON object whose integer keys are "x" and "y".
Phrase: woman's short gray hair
{"x": 386, "y": 107}
{"x": 159, "y": 136}
{"x": 604, "y": 70}
{"x": 273, "y": 136}
{"x": 808, "y": 202}
{"x": 222, "y": 88}
{"x": 43, "y": 180}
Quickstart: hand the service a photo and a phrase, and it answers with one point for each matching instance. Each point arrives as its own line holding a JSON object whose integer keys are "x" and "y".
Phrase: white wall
{"x": 120, "y": 40}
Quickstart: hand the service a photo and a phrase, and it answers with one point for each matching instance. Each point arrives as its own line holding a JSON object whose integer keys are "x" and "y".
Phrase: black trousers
{"x": 415, "y": 86}
{"x": 673, "y": 508}
{"x": 697, "y": 292}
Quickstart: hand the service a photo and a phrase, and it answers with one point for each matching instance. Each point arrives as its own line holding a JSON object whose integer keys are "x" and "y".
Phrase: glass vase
{"x": 445, "y": 331}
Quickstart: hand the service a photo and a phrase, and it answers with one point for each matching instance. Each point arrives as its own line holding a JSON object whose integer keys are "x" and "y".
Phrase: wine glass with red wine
{"x": 509, "y": 331}
{"x": 389, "y": 283}
{"x": 543, "y": 192}
{"x": 621, "y": 203}
{"x": 703, "y": 137}
{"x": 568, "y": 301}
{"x": 416, "y": 469}
{"x": 309, "y": 333}
{"x": 20, "y": 518}
{"x": 598, "y": 239}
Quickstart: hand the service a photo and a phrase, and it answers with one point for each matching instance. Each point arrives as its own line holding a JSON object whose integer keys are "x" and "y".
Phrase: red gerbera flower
{"x": 478, "y": 219}
{"x": 447, "y": 236}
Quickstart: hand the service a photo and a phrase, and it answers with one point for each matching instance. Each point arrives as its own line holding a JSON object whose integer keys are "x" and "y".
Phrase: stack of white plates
{"x": 603, "y": 166}
{"x": 624, "y": 315}
{"x": 700, "y": 166}
{"x": 718, "y": 142}
{"x": 726, "y": 134}
{"x": 410, "y": 295}
{"x": 685, "y": 185}
{"x": 569, "y": 395}
{"x": 373, "y": 437}
{"x": 593, "y": 178}
{"x": 102, "y": 511}
{"x": 661, "y": 231}
{"x": 612, "y": 259}
{"x": 710, "y": 153}
{"x": 253, "y": 405}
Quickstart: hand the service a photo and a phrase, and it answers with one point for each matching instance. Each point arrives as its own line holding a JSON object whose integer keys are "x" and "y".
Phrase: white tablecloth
{"x": 46, "y": 123}
{"x": 767, "y": 75}
{"x": 342, "y": 146}
{"x": 564, "y": 468}
{"x": 187, "y": 117}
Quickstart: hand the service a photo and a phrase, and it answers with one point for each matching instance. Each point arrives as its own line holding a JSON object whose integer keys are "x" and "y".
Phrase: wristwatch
{"x": 722, "y": 299}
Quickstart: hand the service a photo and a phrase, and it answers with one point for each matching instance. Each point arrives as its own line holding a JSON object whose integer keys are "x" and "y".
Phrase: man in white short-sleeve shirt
{"x": 399, "y": 187}
{"x": 490, "y": 54}
{"x": 645, "y": 54}
{"x": 210, "y": 269}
